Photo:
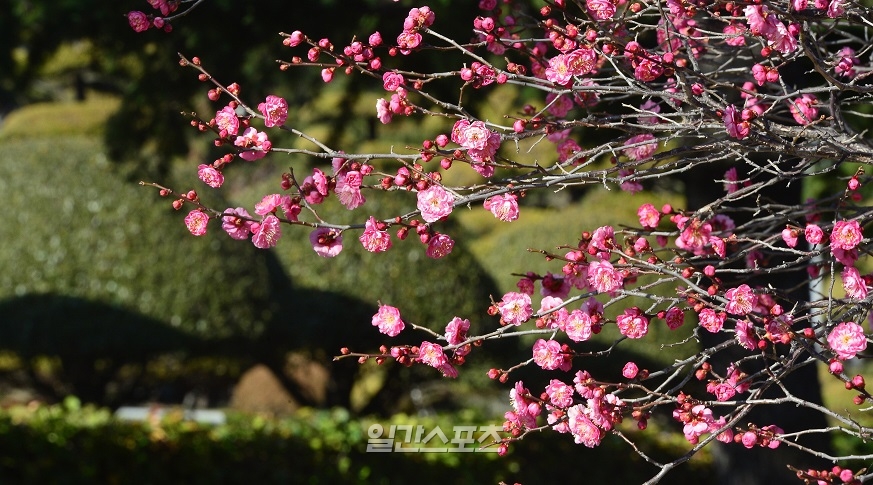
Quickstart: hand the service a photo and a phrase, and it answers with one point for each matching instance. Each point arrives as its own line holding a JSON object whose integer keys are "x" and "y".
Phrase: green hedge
{"x": 69, "y": 444}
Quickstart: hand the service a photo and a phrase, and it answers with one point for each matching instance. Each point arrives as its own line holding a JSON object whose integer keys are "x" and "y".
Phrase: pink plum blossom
{"x": 388, "y": 320}
{"x": 267, "y": 233}
{"x": 435, "y": 203}
{"x": 227, "y": 122}
{"x": 432, "y": 354}
{"x": 275, "y": 111}
{"x": 711, "y": 320}
{"x": 547, "y": 354}
{"x": 326, "y": 242}
{"x": 558, "y": 71}
{"x": 633, "y": 323}
{"x": 846, "y": 235}
{"x": 210, "y": 176}
{"x": 643, "y": 150}
{"x": 504, "y": 207}
{"x": 630, "y": 370}
{"x": 255, "y": 144}
{"x": 577, "y": 325}
{"x": 515, "y": 308}
{"x": 741, "y": 300}
{"x": 439, "y": 246}
{"x": 236, "y": 227}
{"x": 348, "y": 189}
{"x": 853, "y": 283}
{"x": 373, "y": 239}
{"x": 803, "y": 109}
{"x": 734, "y": 123}
{"x": 745, "y": 333}
{"x": 675, "y": 318}
{"x": 847, "y": 339}
{"x": 456, "y": 330}
{"x": 603, "y": 277}
{"x": 649, "y": 216}
{"x": 560, "y": 394}
{"x": 584, "y": 431}
{"x": 138, "y": 21}
{"x": 196, "y": 222}
{"x": 813, "y": 234}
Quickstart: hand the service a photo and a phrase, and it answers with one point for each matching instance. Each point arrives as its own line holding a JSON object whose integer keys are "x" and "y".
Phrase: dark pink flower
{"x": 326, "y": 242}
{"x": 392, "y": 80}
{"x": 196, "y": 222}
{"x": 733, "y": 122}
{"x": 227, "y": 122}
{"x": 275, "y": 111}
{"x": 456, "y": 330}
{"x": 138, "y": 21}
{"x": 745, "y": 333}
{"x": 560, "y": 394}
{"x": 547, "y": 354}
{"x": 675, "y": 318}
{"x": 846, "y": 235}
{"x": 601, "y": 9}
{"x": 803, "y": 109}
{"x": 711, "y": 320}
{"x": 813, "y": 234}
{"x": 439, "y": 246}
{"x": 642, "y": 150}
{"x": 388, "y": 320}
{"x": 630, "y": 370}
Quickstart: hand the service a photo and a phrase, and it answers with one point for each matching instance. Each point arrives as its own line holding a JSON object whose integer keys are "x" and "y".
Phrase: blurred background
{"x": 107, "y": 301}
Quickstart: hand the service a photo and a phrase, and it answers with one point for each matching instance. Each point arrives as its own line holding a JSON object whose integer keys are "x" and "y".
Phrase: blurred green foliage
{"x": 68, "y": 443}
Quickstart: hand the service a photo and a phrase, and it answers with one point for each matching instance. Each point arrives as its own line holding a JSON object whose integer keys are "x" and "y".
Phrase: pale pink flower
{"x": 854, "y": 284}
{"x": 547, "y": 354}
{"x": 813, "y": 234}
{"x": 847, "y": 339}
{"x": 633, "y": 323}
{"x": 275, "y": 111}
{"x": 558, "y": 71}
{"x": 255, "y": 144}
{"x": 439, "y": 246}
{"x": 803, "y": 109}
{"x": 741, "y": 300}
{"x": 603, "y": 277}
{"x": 456, "y": 330}
{"x": 552, "y": 315}
{"x": 515, "y": 308}
{"x": 578, "y": 326}
{"x": 270, "y": 203}
{"x": 711, "y": 320}
{"x": 267, "y": 233}
{"x": 138, "y": 21}
{"x": 373, "y": 239}
{"x": 227, "y": 122}
{"x": 675, "y": 318}
{"x": 236, "y": 227}
{"x": 210, "y": 176}
{"x": 630, "y": 370}
{"x": 196, "y": 222}
{"x": 348, "y": 189}
{"x": 584, "y": 431}
{"x": 388, "y": 320}
{"x": 836, "y": 8}
{"x": 734, "y": 123}
{"x": 730, "y": 180}
{"x": 326, "y": 242}
{"x": 649, "y": 216}
{"x": 383, "y": 111}
{"x": 641, "y": 152}
{"x": 560, "y": 394}
{"x": 435, "y": 203}
{"x": 699, "y": 423}
{"x": 846, "y": 235}
{"x": 558, "y": 105}
{"x": 504, "y": 207}
{"x": 745, "y": 333}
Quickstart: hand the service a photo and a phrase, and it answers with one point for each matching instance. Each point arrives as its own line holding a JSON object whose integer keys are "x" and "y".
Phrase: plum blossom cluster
{"x": 630, "y": 95}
